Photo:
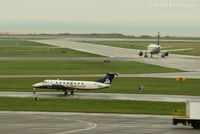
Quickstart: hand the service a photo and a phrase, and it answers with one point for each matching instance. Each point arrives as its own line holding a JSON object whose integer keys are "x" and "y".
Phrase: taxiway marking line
{"x": 90, "y": 125}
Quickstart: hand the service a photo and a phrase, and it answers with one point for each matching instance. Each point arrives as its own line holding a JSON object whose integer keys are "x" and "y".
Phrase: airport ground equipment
{"x": 188, "y": 117}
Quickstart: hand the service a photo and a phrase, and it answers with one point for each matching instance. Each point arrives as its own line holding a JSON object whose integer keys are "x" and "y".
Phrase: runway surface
{"x": 104, "y": 96}
{"x": 68, "y": 58}
{"x": 183, "y": 62}
{"x": 192, "y": 75}
{"x": 87, "y": 123}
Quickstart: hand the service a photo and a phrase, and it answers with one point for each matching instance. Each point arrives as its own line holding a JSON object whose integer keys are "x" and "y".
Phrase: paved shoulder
{"x": 104, "y": 96}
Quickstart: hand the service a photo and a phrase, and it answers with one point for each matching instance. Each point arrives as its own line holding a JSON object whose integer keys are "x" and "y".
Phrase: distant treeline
{"x": 101, "y": 35}
{"x": 111, "y": 35}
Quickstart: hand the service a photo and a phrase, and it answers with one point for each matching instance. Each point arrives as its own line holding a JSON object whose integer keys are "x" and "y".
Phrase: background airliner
{"x": 76, "y": 85}
{"x": 156, "y": 49}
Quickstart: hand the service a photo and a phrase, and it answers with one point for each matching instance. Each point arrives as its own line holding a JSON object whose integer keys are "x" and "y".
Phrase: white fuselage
{"x": 154, "y": 48}
{"x": 69, "y": 84}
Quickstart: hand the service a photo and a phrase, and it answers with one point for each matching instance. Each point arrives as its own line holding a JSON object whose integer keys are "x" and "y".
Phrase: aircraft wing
{"x": 167, "y": 47}
{"x": 58, "y": 87}
{"x": 174, "y": 50}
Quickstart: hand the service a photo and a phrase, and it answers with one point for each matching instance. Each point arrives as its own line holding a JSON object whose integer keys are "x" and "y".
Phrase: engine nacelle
{"x": 166, "y": 53}
{"x": 140, "y": 53}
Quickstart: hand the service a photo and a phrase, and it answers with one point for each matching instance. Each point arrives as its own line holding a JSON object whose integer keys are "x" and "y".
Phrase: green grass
{"x": 96, "y": 106}
{"x": 143, "y": 45}
{"x": 154, "y": 86}
{"x": 119, "y": 85}
{"x": 27, "y": 37}
{"x": 77, "y": 67}
{"x": 23, "y": 48}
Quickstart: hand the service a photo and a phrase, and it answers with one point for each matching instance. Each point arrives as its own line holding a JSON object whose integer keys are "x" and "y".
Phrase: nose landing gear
{"x": 35, "y": 97}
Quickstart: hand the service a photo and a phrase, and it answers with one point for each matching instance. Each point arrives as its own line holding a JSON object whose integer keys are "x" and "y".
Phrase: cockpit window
{"x": 45, "y": 81}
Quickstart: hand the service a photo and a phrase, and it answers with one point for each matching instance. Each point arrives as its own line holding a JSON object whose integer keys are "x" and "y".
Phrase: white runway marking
{"x": 90, "y": 126}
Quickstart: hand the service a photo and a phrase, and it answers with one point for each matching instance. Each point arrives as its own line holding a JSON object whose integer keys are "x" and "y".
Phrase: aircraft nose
{"x": 36, "y": 85}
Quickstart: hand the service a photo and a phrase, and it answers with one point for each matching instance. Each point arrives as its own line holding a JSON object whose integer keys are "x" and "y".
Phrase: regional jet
{"x": 156, "y": 49}
{"x": 76, "y": 85}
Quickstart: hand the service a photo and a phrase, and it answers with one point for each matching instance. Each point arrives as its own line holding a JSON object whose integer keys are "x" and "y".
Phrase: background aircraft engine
{"x": 166, "y": 53}
{"x": 140, "y": 53}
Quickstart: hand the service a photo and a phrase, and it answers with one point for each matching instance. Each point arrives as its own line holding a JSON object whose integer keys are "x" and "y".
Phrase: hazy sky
{"x": 135, "y": 17}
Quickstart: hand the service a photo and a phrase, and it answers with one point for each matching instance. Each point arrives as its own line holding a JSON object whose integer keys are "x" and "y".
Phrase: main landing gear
{"x": 72, "y": 92}
{"x": 66, "y": 93}
{"x": 145, "y": 55}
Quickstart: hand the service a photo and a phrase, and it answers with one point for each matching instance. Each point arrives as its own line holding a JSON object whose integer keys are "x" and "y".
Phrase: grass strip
{"x": 97, "y": 106}
{"x": 22, "y": 48}
{"x": 119, "y": 85}
{"x": 78, "y": 67}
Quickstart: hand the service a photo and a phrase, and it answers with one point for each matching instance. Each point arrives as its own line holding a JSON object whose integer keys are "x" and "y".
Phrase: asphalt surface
{"x": 104, "y": 96}
{"x": 183, "y": 62}
{"x": 87, "y": 123}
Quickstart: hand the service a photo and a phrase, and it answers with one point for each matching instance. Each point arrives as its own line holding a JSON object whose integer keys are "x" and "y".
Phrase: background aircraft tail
{"x": 108, "y": 78}
{"x": 158, "y": 41}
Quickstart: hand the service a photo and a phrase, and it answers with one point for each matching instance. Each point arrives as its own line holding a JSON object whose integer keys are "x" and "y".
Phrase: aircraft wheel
{"x": 65, "y": 93}
{"x": 196, "y": 125}
{"x": 72, "y": 92}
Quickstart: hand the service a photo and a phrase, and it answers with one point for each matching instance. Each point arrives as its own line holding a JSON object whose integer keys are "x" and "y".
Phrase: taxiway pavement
{"x": 87, "y": 123}
{"x": 104, "y": 96}
{"x": 183, "y": 62}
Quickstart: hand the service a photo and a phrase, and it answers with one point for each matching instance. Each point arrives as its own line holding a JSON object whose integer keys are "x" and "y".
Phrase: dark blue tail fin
{"x": 108, "y": 78}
